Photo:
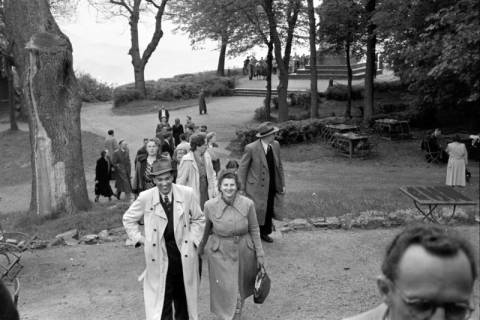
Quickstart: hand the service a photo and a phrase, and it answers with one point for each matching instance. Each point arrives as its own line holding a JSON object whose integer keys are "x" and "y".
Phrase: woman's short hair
{"x": 228, "y": 174}
{"x": 155, "y": 140}
{"x": 197, "y": 140}
{"x": 437, "y": 240}
{"x": 457, "y": 138}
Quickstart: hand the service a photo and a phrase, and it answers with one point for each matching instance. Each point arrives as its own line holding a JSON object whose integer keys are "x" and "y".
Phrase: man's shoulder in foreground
{"x": 377, "y": 313}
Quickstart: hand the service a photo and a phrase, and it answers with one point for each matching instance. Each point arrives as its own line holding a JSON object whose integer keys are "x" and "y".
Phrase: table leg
{"x": 453, "y": 213}
{"x": 429, "y": 214}
{"x": 350, "y": 148}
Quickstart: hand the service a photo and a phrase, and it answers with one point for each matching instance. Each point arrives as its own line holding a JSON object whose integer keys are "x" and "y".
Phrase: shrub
{"x": 290, "y": 132}
{"x": 92, "y": 90}
{"x": 181, "y": 87}
{"x": 340, "y": 92}
{"x": 391, "y": 107}
{"x": 383, "y": 86}
{"x": 260, "y": 114}
{"x": 124, "y": 95}
{"x": 302, "y": 99}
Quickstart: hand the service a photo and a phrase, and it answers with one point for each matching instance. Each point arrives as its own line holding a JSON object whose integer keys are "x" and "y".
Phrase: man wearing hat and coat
{"x": 261, "y": 176}
{"x": 174, "y": 226}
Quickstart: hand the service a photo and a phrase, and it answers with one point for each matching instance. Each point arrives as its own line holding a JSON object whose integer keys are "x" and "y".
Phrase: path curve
{"x": 225, "y": 115}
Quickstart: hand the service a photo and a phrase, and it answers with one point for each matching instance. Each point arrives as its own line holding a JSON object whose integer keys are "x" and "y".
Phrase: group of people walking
{"x": 192, "y": 208}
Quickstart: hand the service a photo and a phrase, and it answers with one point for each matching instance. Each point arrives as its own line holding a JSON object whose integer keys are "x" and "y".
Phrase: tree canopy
{"x": 433, "y": 47}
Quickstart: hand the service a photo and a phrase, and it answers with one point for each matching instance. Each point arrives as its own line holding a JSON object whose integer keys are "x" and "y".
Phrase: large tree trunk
{"x": 282, "y": 62}
{"x": 313, "y": 61}
{"x": 268, "y": 97}
{"x": 348, "y": 110}
{"x": 134, "y": 52}
{"x": 11, "y": 98}
{"x": 221, "y": 58}
{"x": 370, "y": 65}
{"x": 43, "y": 56}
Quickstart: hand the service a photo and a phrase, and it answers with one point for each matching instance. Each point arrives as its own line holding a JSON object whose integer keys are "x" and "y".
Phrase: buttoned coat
{"x": 232, "y": 252}
{"x": 188, "y": 175}
{"x": 255, "y": 178}
{"x": 189, "y": 225}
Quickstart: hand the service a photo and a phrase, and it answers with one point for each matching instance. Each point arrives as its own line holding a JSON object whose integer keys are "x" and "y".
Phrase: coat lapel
{"x": 261, "y": 153}
{"x": 156, "y": 205}
{"x": 178, "y": 207}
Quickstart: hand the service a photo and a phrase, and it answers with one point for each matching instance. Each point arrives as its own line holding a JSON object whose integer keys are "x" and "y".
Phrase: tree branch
{"x": 123, "y": 4}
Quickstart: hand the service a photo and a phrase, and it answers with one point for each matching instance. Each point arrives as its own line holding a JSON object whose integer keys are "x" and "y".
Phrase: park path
{"x": 225, "y": 114}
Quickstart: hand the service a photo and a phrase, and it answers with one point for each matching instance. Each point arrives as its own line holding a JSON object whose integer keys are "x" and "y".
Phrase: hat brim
{"x": 160, "y": 172}
{"x": 275, "y": 130}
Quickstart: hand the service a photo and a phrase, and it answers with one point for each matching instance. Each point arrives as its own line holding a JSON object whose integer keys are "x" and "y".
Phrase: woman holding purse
{"x": 234, "y": 251}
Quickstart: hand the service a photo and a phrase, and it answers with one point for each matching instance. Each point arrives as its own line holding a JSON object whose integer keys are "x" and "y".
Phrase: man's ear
{"x": 385, "y": 287}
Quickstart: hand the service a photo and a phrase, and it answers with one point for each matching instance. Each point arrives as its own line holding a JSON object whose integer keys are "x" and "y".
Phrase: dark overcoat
{"x": 255, "y": 178}
{"x": 121, "y": 163}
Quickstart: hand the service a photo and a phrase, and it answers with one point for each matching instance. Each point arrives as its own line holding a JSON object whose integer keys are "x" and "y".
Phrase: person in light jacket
{"x": 174, "y": 227}
{"x": 196, "y": 170}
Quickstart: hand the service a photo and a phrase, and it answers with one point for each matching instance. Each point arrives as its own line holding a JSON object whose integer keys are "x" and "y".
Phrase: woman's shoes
{"x": 96, "y": 199}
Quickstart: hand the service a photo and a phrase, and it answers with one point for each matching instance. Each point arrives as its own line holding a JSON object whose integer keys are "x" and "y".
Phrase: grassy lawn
{"x": 15, "y": 145}
{"x": 357, "y": 185}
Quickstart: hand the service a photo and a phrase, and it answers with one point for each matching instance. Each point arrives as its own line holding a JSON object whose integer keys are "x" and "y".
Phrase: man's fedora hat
{"x": 161, "y": 166}
{"x": 266, "y": 129}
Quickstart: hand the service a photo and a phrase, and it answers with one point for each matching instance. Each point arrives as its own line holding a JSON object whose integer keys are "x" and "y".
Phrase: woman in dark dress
{"x": 142, "y": 179}
{"x": 102, "y": 177}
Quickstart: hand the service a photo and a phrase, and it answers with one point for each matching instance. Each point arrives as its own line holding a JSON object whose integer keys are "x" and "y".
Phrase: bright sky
{"x": 100, "y": 47}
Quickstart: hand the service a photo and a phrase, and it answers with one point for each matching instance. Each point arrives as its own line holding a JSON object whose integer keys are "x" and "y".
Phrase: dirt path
{"x": 315, "y": 275}
{"x": 225, "y": 114}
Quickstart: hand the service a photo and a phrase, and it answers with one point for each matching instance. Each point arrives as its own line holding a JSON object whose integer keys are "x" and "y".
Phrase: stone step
{"x": 260, "y": 92}
{"x": 338, "y": 66}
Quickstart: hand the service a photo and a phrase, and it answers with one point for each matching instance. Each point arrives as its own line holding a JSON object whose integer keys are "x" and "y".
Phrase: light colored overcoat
{"x": 188, "y": 175}
{"x": 187, "y": 215}
{"x": 457, "y": 161}
{"x": 255, "y": 178}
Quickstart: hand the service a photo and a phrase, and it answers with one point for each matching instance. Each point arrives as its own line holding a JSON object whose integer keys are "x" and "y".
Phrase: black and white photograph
{"x": 239, "y": 159}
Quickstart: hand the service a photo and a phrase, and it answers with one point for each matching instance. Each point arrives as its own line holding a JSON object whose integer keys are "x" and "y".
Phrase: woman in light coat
{"x": 234, "y": 250}
{"x": 196, "y": 170}
{"x": 457, "y": 162}
{"x": 189, "y": 224}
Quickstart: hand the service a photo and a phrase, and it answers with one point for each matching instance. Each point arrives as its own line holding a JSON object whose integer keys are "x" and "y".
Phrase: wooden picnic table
{"x": 392, "y": 128}
{"x": 351, "y": 143}
{"x": 331, "y": 129}
{"x": 434, "y": 196}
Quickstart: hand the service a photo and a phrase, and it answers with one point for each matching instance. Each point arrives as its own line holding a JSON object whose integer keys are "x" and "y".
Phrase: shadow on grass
{"x": 102, "y": 216}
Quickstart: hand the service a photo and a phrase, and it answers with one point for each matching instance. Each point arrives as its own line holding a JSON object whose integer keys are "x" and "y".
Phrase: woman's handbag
{"x": 262, "y": 286}
{"x": 468, "y": 175}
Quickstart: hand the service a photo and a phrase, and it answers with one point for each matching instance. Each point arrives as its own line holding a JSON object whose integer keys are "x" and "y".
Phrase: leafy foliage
{"x": 180, "y": 87}
{"x": 433, "y": 46}
{"x": 92, "y": 90}
{"x": 290, "y": 132}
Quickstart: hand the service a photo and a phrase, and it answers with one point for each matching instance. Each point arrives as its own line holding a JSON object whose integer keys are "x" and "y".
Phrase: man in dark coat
{"x": 261, "y": 176}
{"x": 121, "y": 163}
{"x": 177, "y": 130}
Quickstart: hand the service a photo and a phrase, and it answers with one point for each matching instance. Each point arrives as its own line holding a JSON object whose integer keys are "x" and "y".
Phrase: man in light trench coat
{"x": 174, "y": 226}
{"x": 261, "y": 176}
